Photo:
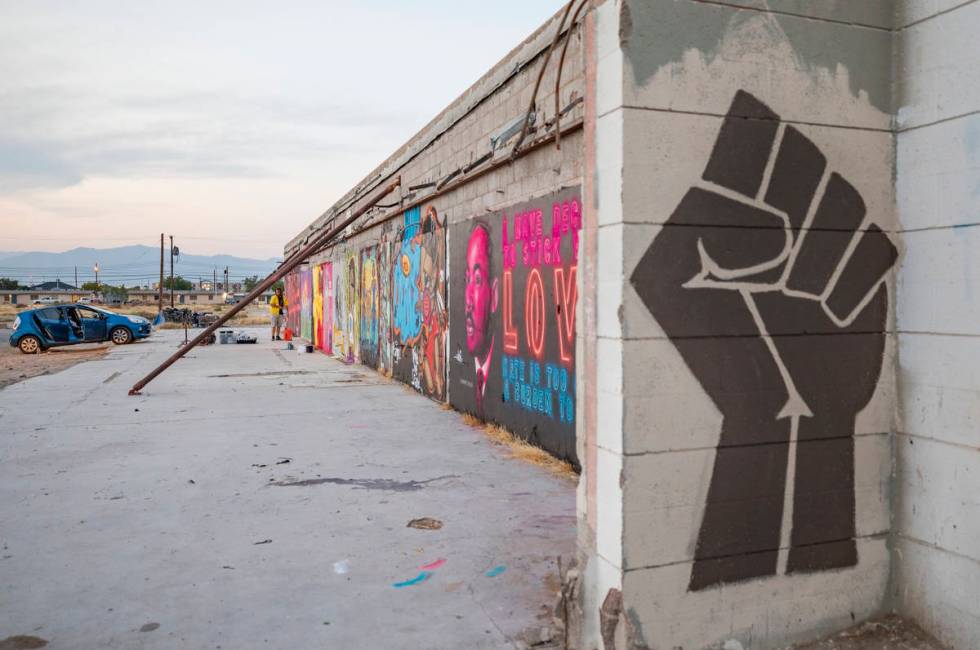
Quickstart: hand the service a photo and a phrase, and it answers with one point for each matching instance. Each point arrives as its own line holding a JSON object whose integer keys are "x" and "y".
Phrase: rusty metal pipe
{"x": 291, "y": 262}
{"x": 537, "y": 84}
{"x": 561, "y": 63}
{"x": 458, "y": 182}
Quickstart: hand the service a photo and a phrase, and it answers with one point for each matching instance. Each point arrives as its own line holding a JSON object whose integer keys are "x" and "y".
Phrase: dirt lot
{"x": 15, "y": 367}
{"x": 254, "y": 314}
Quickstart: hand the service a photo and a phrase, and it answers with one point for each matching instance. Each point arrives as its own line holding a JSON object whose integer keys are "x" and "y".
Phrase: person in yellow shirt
{"x": 278, "y": 305}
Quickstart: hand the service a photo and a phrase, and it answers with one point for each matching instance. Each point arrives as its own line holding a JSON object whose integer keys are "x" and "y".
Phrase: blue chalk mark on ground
{"x": 495, "y": 571}
{"x": 422, "y": 577}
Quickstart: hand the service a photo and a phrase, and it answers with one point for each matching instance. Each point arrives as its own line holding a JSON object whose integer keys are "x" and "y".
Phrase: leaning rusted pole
{"x": 292, "y": 262}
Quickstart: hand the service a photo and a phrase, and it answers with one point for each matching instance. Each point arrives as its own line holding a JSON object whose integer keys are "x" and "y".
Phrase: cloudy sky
{"x": 231, "y": 125}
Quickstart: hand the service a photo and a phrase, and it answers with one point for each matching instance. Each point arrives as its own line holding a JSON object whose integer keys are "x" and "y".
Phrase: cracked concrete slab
{"x": 136, "y": 522}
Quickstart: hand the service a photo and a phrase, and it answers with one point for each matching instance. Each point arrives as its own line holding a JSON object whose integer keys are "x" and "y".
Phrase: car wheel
{"x": 121, "y": 336}
{"x": 30, "y": 345}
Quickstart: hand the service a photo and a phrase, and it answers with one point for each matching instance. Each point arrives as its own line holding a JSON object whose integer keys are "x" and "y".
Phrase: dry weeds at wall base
{"x": 521, "y": 449}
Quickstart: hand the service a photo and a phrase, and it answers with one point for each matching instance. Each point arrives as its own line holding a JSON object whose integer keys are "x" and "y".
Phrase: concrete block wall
{"x": 937, "y": 447}
{"x": 743, "y": 185}
{"x": 775, "y": 340}
{"x": 435, "y": 359}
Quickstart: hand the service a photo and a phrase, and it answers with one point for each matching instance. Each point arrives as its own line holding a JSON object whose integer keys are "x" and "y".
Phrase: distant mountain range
{"x": 127, "y": 265}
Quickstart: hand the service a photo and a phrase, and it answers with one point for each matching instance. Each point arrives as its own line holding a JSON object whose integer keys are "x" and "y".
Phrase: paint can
{"x": 289, "y": 346}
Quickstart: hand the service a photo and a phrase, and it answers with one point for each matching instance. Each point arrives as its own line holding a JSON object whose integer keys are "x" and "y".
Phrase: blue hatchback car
{"x": 37, "y": 330}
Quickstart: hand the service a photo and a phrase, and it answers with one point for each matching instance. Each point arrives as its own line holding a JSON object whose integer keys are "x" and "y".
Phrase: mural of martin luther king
{"x": 481, "y": 304}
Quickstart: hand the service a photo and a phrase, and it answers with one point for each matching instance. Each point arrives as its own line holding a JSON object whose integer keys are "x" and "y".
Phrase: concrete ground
{"x": 259, "y": 498}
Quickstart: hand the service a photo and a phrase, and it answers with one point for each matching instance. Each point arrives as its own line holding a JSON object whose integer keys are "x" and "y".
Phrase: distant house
{"x": 57, "y": 285}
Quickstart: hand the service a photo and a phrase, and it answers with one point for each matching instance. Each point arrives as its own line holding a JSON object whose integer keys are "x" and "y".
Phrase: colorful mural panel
{"x": 418, "y": 306}
{"x": 339, "y": 309}
{"x": 306, "y": 302}
{"x": 317, "y": 307}
{"x": 368, "y": 300}
{"x": 512, "y": 338}
{"x": 352, "y": 319}
{"x": 293, "y": 300}
{"x": 384, "y": 306}
{"x": 323, "y": 305}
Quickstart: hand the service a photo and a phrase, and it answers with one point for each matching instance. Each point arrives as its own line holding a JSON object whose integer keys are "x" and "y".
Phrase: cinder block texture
{"x": 938, "y": 174}
{"x": 937, "y": 76}
{"x": 683, "y": 55}
{"x": 663, "y": 514}
{"x": 915, "y": 11}
{"x": 939, "y": 281}
{"x": 938, "y": 488}
{"x": 663, "y": 146}
{"x": 937, "y": 554}
{"x": 867, "y": 13}
{"x": 770, "y": 613}
{"x": 939, "y": 388}
{"x": 939, "y": 591}
{"x": 758, "y": 253}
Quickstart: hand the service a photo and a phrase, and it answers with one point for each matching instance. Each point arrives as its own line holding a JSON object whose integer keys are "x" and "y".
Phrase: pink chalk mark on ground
{"x": 433, "y": 565}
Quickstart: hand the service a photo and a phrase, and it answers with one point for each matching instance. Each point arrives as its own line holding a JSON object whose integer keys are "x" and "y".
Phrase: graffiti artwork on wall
{"x": 317, "y": 338}
{"x": 306, "y": 302}
{"x": 384, "y": 306}
{"x": 368, "y": 297}
{"x": 512, "y": 339}
{"x": 339, "y": 309}
{"x": 778, "y": 309}
{"x": 293, "y": 300}
{"x": 418, "y": 306}
{"x": 352, "y": 316}
{"x": 323, "y": 305}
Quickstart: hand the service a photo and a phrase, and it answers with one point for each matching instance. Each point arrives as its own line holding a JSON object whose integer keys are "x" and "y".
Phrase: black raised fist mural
{"x": 769, "y": 282}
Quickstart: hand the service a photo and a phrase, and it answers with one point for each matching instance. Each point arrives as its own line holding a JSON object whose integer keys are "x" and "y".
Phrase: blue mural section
{"x": 418, "y": 288}
{"x": 406, "y": 316}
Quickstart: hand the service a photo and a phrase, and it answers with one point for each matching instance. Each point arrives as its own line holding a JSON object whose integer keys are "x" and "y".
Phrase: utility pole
{"x": 171, "y": 271}
{"x": 160, "y": 288}
{"x": 214, "y": 282}
{"x": 76, "y": 277}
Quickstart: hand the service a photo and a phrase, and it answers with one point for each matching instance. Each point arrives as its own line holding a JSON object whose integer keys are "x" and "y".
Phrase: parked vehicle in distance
{"x": 46, "y": 300}
{"x": 85, "y": 301}
{"x": 36, "y": 330}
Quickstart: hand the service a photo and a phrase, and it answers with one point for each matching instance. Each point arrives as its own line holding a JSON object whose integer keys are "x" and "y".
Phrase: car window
{"x": 85, "y": 312}
{"x": 50, "y": 313}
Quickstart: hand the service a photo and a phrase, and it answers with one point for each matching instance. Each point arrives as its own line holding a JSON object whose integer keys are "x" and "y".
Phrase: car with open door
{"x": 37, "y": 330}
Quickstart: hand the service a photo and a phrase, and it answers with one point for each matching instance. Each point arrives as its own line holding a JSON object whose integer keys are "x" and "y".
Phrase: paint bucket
{"x": 289, "y": 346}
{"x": 309, "y": 349}
{"x": 287, "y": 334}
